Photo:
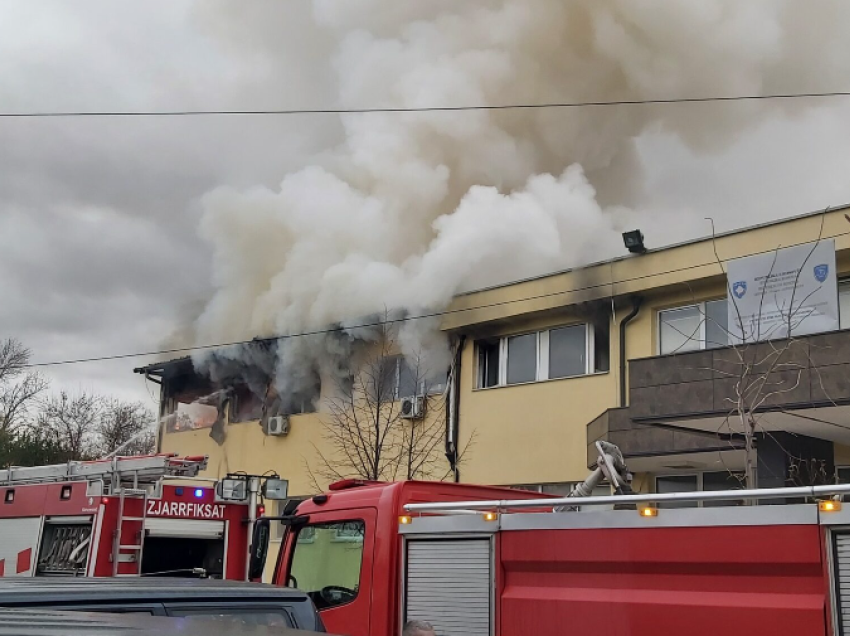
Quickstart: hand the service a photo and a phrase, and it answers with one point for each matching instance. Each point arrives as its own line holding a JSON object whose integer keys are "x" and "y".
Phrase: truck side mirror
{"x": 259, "y": 549}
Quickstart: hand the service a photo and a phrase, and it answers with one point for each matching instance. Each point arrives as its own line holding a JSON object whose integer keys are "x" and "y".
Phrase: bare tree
{"x": 761, "y": 367}
{"x": 72, "y": 422}
{"x": 89, "y": 426}
{"x": 367, "y": 433}
{"x": 125, "y": 428}
{"x": 19, "y": 388}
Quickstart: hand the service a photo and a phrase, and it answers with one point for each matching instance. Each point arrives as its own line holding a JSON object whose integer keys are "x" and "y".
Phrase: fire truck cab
{"x": 477, "y": 561}
{"x": 124, "y": 516}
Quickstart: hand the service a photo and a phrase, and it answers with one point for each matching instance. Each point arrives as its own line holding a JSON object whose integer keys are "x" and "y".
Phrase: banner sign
{"x": 792, "y": 287}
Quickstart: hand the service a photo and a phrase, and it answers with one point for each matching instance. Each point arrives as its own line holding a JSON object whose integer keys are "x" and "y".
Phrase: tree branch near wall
{"x": 365, "y": 433}
{"x": 762, "y": 372}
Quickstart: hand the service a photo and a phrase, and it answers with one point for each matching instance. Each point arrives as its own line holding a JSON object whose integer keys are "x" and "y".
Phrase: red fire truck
{"x": 478, "y": 561}
{"x": 124, "y": 516}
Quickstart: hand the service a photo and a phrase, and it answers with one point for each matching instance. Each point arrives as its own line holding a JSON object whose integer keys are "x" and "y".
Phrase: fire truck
{"x": 120, "y": 517}
{"x": 480, "y": 561}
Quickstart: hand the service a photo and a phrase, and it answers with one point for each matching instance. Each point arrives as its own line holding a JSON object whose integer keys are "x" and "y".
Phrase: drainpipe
{"x": 453, "y": 412}
{"x": 637, "y": 301}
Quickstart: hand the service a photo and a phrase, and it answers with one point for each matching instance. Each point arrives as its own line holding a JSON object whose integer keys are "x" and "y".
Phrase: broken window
{"x": 397, "y": 378}
{"x": 407, "y": 380}
{"x": 488, "y": 363}
{"x": 602, "y": 346}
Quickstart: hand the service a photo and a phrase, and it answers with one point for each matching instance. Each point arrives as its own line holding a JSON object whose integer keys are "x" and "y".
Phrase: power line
{"x": 422, "y": 109}
{"x": 436, "y": 314}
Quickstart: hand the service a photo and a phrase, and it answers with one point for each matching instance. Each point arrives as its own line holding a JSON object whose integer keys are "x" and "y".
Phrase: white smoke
{"x": 406, "y": 210}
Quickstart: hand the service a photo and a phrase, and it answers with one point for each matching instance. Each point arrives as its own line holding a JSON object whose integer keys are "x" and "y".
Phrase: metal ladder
{"x": 129, "y": 552}
{"x": 145, "y": 470}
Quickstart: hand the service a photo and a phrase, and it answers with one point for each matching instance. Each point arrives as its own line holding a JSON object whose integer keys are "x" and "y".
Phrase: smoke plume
{"x": 402, "y": 211}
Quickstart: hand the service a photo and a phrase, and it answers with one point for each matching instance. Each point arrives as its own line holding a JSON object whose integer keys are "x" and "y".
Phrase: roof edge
{"x": 655, "y": 250}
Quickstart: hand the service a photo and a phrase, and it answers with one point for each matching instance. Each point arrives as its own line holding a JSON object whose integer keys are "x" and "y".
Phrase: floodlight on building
{"x": 634, "y": 242}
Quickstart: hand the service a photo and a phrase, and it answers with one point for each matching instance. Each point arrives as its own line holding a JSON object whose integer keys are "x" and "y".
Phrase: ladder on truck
{"x": 114, "y": 473}
{"x": 129, "y": 553}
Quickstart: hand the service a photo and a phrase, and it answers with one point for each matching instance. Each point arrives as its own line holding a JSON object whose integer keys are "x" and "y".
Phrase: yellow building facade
{"x": 545, "y": 367}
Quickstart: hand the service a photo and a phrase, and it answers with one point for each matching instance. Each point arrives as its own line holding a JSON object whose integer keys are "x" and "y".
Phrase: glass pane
{"x": 385, "y": 380}
{"x": 602, "y": 346}
{"x": 522, "y": 359}
{"x": 722, "y": 480}
{"x": 326, "y": 563}
{"x": 436, "y": 383}
{"x": 488, "y": 364}
{"x": 844, "y": 304}
{"x": 843, "y": 475}
{"x": 680, "y": 329}
{"x": 676, "y": 483}
{"x": 407, "y": 380}
{"x": 560, "y": 489}
{"x": 716, "y": 321}
{"x": 247, "y": 615}
{"x": 567, "y": 352}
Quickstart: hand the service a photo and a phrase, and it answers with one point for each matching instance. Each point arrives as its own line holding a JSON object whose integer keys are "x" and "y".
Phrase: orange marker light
{"x": 405, "y": 520}
{"x": 829, "y": 505}
{"x": 648, "y": 511}
{"x": 490, "y": 516}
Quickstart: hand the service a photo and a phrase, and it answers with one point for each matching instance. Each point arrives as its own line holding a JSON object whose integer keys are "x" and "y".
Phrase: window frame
{"x": 542, "y": 359}
{"x": 843, "y": 283}
{"x": 701, "y": 308}
{"x": 422, "y": 387}
{"x": 700, "y": 476}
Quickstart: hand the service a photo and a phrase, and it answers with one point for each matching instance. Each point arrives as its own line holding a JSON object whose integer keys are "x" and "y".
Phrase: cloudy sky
{"x": 100, "y": 252}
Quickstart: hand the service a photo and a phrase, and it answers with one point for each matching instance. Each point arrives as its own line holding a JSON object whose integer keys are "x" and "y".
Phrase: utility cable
{"x": 435, "y": 314}
{"x": 415, "y": 109}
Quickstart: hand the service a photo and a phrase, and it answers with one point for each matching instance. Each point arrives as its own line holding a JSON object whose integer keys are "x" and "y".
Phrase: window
{"x": 844, "y": 304}
{"x": 398, "y": 379}
{"x": 522, "y": 359}
{"x": 327, "y": 562}
{"x": 710, "y": 481}
{"x": 694, "y": 327}
{"x": 722, "y": 480}
{"x": 677, "y": 483}
{"x": 567, "y": 351}
{"x": 250, "y": 615}
{"x": 842, "y": 474}
{"x": 552, "y": 354}
{"x": 488, "y": 363}
{"x": 406, "y": 380}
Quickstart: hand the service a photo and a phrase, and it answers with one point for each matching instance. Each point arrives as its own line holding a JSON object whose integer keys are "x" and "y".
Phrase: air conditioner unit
{"x": 412, "y": 408}
{"x": 278, "y": 426}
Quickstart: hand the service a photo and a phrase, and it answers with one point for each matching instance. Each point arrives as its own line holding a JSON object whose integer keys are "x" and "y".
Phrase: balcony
{"x": 809, "y": 372}
{"x": 683, "y": 403}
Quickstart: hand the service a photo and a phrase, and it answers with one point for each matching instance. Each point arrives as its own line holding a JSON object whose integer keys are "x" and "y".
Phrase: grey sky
{"x": 99, "y": 252}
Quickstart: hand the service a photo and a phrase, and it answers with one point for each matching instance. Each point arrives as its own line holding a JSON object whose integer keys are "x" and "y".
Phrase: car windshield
{"x": 327, "y": 561}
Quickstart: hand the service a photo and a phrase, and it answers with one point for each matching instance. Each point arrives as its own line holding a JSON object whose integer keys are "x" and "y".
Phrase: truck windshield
{"x": 327, "y": 560}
